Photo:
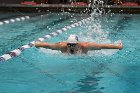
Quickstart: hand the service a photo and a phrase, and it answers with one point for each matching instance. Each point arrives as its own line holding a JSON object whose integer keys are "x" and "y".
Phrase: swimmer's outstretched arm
{"x": 94, "y": 46}
{"x": 55, "y": 46}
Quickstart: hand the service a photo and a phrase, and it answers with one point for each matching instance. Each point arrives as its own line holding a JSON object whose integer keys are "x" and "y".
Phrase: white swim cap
{"x": 72, "y": 39}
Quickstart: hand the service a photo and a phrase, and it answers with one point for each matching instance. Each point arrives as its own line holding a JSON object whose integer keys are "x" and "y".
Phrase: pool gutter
{"x": 67, "y": 8}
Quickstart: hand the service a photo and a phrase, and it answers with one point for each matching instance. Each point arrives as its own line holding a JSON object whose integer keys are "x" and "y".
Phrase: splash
{"x": 94, "y": 28}
{"x": 49, "y": 51}
{"x": 95, "y": 32}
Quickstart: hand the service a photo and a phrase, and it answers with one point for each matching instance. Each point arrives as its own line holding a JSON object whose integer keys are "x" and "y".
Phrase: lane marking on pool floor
{"x": 14, "y": 20}
{"x": 18, "y": 51}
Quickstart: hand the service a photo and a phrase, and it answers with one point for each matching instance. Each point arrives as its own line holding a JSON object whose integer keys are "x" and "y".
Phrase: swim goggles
{"x": 72, "y": 44}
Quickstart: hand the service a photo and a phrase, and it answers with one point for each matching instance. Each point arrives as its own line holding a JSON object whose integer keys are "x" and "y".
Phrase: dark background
{"x": 58, "y": 1}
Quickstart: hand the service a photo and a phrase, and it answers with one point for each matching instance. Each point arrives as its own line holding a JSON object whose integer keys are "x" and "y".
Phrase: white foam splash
{"x": 117, "y": 42}
{"x": 49, "y": 51}
{"x": 95, "y": 33}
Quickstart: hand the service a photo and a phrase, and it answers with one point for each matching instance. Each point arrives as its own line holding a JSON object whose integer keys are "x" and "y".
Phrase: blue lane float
{"x": 18, "y": 51}
{"x": 14, "y": 20}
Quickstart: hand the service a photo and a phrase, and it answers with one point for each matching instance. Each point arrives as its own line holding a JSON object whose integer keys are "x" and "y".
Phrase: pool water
{"x": 47, "y": 71}
{"x": 21, "y": 33}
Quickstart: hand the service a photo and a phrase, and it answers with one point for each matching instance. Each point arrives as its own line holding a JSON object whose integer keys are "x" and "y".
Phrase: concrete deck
{"x": 67, "y": 8}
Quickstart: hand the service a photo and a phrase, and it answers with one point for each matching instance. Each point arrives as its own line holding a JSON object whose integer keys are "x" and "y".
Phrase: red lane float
{"x": 79, "y": 3}
{"x": 28, "y": 3}
{"x": 129, "y": 4}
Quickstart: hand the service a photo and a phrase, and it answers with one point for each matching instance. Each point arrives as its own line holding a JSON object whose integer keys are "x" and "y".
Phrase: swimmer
{"x": 74, "y": 46}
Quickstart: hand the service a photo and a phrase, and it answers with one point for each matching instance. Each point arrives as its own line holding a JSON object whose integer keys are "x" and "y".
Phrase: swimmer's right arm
{"x": 55, "y": 46}
{"x": 41, "y": 44}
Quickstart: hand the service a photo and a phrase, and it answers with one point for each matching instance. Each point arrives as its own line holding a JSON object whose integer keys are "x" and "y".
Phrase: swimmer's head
{"x": 72, "y": 39}
{"x": 72, "y": 44}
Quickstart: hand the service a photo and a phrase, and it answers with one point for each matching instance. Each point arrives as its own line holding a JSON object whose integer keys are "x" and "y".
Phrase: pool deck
{"x": 67, "y": 8}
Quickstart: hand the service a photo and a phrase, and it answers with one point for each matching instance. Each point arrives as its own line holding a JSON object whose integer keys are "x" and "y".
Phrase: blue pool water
{"x": 47, "y": 71}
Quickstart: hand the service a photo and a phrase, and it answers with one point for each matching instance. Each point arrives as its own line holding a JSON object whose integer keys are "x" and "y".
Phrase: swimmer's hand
{"x": 120, "y": 46}
{"x": 37, "y": 44}
{"x": 42, "y": 44}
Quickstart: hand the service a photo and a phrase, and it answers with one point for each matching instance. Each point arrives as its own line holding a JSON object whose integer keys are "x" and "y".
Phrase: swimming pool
{"x": 47, "y": 71}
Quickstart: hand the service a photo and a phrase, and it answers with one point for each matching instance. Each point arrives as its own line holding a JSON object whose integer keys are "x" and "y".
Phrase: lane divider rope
{"x": 18, "y": 51}
{"x": 14, "y": 20}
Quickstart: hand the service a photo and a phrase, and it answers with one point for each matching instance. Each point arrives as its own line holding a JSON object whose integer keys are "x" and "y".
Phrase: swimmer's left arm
{"x": 111, "y": 46}
{"x": 95, "y": 46}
